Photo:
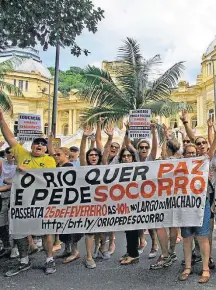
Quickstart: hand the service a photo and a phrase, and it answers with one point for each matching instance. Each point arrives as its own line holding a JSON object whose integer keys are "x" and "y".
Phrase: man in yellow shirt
{"x": 35, "y": 159}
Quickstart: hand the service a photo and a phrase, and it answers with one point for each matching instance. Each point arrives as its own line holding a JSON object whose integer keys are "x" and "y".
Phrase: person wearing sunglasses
{"x": 203, "y": 149}
{"x": 145, "y": 152}
{"x": 93, "y": 157}
{"x": 170, "y": 150}
{"x": 25, "y": 160}
{"x": 185, "y": 141}
{"x": 7, "y": 172}
{"x": 71, "y": 253}
{"x": 201, "y": 233}
{"x": 132, "y": 237}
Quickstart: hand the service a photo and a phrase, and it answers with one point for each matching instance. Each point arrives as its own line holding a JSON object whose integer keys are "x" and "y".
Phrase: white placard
{"x": 140, "y": 121}
{"x": 29, "y": 127}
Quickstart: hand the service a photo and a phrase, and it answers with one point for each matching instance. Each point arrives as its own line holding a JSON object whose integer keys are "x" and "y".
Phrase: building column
{"x": 40, "y": 111}
{"x": 74, "y": 121}
{"x": 58, "y": 129}
{"x": 70, "y": 121}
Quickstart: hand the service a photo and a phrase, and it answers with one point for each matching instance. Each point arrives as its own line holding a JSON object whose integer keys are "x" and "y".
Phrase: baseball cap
{"x": 74, "y": 148}
{"x": 38, "y": 140}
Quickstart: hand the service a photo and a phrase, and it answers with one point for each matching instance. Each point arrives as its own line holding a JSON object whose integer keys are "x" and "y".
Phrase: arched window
{"x": 211, "y": 114}
{"x": 173, "y": 124}
{"x": 46, "y": 129}
{"x": 194, "y": 122}
{"x": 65, "y": 129}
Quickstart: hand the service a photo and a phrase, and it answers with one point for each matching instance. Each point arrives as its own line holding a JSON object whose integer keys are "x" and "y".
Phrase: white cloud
{"x": 177, "y": 30}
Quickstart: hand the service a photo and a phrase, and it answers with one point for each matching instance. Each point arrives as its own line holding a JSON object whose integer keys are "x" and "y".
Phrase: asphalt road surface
{"x": 108, "y": 275}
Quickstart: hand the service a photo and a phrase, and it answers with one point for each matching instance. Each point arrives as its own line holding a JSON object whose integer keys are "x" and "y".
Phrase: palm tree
{"x": 135, "y": 86}
{"x": 6, "y": 88}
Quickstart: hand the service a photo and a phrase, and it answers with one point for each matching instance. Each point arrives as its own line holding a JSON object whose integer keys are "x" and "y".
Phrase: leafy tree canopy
{"x": 26, "y": 22}
{"x": 69, "y": 79}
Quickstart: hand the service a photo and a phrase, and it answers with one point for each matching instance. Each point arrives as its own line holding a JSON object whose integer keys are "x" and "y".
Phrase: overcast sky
{"x": 177, "y": 30}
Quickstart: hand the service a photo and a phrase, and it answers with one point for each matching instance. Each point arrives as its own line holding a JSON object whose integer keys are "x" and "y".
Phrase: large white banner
{"x": 142, "y": 195}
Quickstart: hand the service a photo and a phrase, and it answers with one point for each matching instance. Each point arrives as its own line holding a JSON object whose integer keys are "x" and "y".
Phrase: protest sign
{"x": 29, "y": 127}
{"x": 140, "y": 121}
{"x": 168, "y": 193}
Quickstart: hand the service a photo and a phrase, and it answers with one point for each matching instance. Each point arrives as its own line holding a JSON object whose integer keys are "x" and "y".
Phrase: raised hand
{"x": 165, "y": 129}
{"x": 127, "y": 125}
{"x": 210, "y": 122}
{"x": 153, "y": 126}
{"x": 183, "y": 117}
{"x": 88, "y": 131}
{"x": 101, "y": 120}
{"x": 109, "y": 131}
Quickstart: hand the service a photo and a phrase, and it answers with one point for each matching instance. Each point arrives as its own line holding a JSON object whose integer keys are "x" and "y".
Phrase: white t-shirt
{"x": 8, "y": 171}
{"x": 148, "y": 158}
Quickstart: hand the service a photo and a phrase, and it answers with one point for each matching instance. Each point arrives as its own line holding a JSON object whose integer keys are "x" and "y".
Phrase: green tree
{"x": 135, "y": 86}
{"x": 26, "y": 22}
{"x": 6, "y": 88}
{"x": 69, "y": 79}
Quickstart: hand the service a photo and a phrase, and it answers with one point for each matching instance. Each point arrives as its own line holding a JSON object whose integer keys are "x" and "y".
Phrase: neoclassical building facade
{"x": 36, "y": 83}
{"x": 200, "y": 96}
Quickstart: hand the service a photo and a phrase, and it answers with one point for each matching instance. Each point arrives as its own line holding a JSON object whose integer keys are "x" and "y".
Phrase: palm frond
{"x": 162, "y": 87}
{"x": 10, "y": 88}
{"x": 167, "y": 107}
{"x": 129, "y": 53}
{"x": 100, "y": 89}
{"x": 5, "y": 102}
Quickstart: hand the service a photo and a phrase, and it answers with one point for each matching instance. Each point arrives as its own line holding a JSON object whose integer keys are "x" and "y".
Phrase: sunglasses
{"x": 113, "y": 146}
{"x": 186, "y": 141}
{"x": 91, "y": 155}
{"x": 126, "y": 156}
{"x": 40, "y": 143}
{"x": 201, "y": 143}
{"x": 144, "y": 147}
{"x": 57, "y": 154}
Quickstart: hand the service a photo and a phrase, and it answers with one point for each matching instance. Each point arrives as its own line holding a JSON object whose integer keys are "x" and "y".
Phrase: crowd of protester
{"x": 197, "y": 241}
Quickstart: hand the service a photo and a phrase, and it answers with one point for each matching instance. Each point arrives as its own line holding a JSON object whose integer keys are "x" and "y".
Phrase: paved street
{"x": 108, "y": 275}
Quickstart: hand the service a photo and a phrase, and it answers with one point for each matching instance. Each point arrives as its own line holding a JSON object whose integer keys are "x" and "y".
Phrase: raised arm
{"x": 8, "y": 135}
{"x": 188, "y": 129}
{"x": 213, "y": 145}
{"x": 154, "y": 141}
{"x": 98, "y": 135}
{"x": 210, "y": 134}
{"x": 127, "y": 141}
{"x": 164, "y": 145}
{"x": 109, "y": 131}
{"x": 86, "y": 133}
{"x": 92, "y": 138}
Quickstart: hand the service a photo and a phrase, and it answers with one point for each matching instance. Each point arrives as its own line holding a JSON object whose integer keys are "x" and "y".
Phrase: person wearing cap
{"x": 36, "y": 159}
{"x": 74, "y": 156}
